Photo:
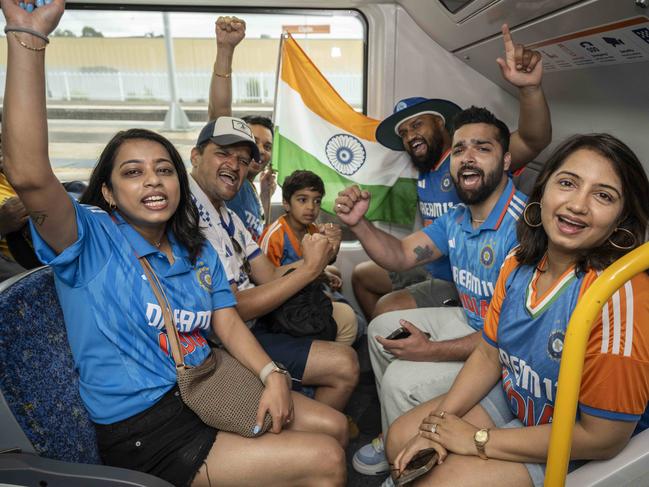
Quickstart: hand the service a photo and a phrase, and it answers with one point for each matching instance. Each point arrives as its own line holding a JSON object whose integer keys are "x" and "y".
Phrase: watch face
{"x": 481, "y": 436}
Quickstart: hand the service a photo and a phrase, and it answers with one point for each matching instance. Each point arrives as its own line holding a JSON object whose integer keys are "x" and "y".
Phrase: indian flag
{"x": 316, "y": 130}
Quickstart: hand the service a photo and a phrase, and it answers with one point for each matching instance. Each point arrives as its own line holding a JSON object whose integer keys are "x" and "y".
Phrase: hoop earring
{"x": 527, "y": 221}
{"x": 620, "y": 247}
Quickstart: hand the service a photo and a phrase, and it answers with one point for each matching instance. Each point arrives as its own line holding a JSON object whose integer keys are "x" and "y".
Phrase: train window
{"x": 107, "y": 69}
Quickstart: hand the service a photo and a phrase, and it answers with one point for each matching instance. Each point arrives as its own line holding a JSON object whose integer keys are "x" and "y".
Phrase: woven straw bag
{"x": 221, "y": 391}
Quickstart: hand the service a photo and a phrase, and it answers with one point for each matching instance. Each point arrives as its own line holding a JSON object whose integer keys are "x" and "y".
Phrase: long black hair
{"x": 184, "y": 222}
{"x": 634, "y": 218}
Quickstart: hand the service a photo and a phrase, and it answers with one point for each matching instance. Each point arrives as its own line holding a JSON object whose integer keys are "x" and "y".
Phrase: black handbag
{"x": 307, "y": 313}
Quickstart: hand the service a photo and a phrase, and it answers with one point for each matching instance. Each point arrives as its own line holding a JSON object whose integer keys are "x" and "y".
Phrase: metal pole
{"x": 175, "y": 119}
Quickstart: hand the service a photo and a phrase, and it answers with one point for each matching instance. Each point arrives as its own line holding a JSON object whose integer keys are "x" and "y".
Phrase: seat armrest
{"x": 28, "y": 469}
{"x": 629, "y": 467}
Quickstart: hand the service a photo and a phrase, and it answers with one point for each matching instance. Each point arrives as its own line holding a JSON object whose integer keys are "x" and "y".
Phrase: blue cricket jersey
{"x": 436, "y": 196}
{"x": 247, "y": 206}
{"x": 477, "y": 254}
{"x": 113, "y": 320}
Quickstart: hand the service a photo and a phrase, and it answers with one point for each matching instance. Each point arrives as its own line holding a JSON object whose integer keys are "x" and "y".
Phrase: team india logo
{"x": 446, "y": 183}
{"x": 345, "y": 153}
{"x": 487, "y": 256}
{"x": 555, "y": 344}
{"x": 204, "y": 277}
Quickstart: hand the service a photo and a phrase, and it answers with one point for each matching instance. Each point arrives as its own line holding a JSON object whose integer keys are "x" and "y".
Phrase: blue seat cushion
{"x": 38, "y": 379}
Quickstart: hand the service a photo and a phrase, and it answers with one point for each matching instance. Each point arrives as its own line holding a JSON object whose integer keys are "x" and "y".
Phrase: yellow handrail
{"x": 572, "y": 359}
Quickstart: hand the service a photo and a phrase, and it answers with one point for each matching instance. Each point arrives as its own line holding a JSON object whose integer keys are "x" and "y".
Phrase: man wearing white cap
{"x": 220, "y": 160}
{"x": 421, "y": 127}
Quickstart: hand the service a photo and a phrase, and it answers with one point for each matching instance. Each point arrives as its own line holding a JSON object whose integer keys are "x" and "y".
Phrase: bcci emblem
{"x": 555, "y": 344}
{"x": 447, "y": 183}
{"x": 345, "y": 153}
{"x": 204, "y": 277}
{"x": 487, "y": 256}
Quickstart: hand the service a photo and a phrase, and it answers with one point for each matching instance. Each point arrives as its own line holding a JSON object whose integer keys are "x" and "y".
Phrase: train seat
{"x": 47, "y": 434}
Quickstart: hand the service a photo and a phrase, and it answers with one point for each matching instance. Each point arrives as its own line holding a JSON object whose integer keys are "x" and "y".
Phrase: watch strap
{"x": 267, "y": 369}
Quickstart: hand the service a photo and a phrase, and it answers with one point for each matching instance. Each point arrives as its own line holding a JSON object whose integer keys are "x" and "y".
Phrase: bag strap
{"x": 161, "y": 297}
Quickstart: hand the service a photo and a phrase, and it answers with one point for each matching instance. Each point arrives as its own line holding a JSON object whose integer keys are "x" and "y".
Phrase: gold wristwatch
{"x": 480, "y": 439}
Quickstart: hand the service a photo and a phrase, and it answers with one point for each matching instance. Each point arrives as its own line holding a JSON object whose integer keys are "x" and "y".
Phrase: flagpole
{"x": 277, "y": 75}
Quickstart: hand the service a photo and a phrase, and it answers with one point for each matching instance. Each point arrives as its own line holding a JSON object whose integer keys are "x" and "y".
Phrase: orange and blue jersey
{"x": 113, "y": 320}
{"x": 529, "y": 329}
{"x": 477, "y": 254}
{"x": 436, "y": 196}
{"x": 280, "y": 244}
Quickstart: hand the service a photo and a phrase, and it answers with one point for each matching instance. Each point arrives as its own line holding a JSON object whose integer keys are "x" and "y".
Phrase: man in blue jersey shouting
{"x": 475, "y": 236}
{"x": 421, "y": 127}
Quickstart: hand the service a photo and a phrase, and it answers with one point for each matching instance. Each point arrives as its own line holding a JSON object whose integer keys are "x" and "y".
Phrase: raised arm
{"x": 523, "y": 68}
{"x": 229, "y": 31}
{"x": 26, "y": 158}
{"x": 384, "y": 249}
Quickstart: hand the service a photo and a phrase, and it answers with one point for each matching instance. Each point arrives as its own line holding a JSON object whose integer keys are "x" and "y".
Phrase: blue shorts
{"x": 496, "y": 406}
{"x": 291, "y": 351}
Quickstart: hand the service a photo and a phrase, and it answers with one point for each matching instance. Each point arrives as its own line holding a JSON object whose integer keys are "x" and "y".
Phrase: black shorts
{"x": 167, "y": 440}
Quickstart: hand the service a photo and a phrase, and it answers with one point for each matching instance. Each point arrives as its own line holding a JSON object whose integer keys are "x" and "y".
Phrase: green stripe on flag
{"x": 397, "y": 204}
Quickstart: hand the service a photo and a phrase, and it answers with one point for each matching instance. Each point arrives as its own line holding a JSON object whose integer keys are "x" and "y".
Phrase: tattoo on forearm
{"x": 423, "y": 253}
{"x": 38, "y": 217}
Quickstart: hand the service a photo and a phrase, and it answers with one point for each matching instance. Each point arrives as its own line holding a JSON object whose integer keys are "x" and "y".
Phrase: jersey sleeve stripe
{"x": 605, "y": 328}
{"x": 254, "y": 253}
{"x": 265, "y": 242}
{"x": 628, "y": 339}
{"x": 617, "y": 323}
{"x": 515, "y": 204}
{"x": 520, "y": 202}
{"x": 513, "y": 214}
{"x": 612, "y": 415}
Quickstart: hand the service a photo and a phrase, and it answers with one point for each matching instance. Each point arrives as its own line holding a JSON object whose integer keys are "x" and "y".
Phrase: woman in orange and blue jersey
{"x": 584, "y": 212}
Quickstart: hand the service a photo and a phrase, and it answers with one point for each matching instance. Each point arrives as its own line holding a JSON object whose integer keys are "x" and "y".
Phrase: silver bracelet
{"x": 26, "y": 30}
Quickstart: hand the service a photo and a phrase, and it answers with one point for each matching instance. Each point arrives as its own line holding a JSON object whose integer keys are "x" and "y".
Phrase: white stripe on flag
{"x": 310, "y": 132}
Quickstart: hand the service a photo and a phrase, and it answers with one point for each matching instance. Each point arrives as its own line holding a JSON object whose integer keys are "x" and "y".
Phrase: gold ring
{"x": 441, "y": 415}
{"x": 433, "y": 428}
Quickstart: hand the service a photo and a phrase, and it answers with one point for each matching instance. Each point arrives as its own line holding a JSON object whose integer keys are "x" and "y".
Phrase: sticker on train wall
{"x": 622, "y": 42}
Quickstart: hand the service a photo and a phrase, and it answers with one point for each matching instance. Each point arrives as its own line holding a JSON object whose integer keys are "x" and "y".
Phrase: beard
{"x": 427, "y": 161}
{"x": 490, "y": 182}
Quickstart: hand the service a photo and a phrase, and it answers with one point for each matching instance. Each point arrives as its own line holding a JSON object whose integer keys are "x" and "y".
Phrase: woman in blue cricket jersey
{"x": 585, "y": 211}
{"x": 139, "y": 205}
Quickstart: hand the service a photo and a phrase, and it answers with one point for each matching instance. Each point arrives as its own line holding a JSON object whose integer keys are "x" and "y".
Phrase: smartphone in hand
{"x": 398, "y": 334}
{"x": 401, "y": 333}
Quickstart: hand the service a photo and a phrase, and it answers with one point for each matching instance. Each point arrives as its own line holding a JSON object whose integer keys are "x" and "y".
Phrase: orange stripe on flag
{"x": 299, "y": 72}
